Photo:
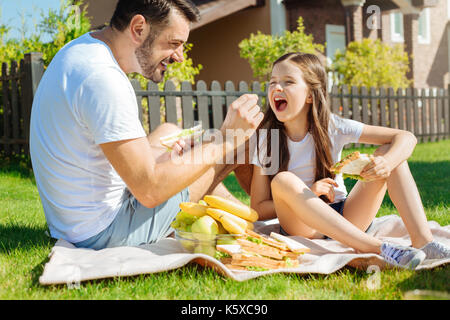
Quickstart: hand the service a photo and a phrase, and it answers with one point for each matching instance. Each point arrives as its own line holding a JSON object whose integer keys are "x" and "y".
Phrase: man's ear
{"x": 139, "y": 29}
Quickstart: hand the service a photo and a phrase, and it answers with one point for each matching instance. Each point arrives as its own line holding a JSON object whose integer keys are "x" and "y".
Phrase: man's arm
{"x": 153, "y": 183}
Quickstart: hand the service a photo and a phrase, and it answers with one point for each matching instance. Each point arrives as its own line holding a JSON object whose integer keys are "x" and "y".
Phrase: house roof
{"x": 211, "y": 10}
{"x": 404, "y": 5}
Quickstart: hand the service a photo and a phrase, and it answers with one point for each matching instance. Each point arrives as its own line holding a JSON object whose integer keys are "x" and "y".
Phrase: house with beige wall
{"x": 421, "y": 26}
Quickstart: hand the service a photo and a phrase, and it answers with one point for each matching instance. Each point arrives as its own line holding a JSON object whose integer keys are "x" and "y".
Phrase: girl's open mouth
{"x": 280, "y": 103}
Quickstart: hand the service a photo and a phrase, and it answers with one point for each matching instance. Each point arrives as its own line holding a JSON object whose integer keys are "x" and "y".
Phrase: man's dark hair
{"x": 155, "y": 12}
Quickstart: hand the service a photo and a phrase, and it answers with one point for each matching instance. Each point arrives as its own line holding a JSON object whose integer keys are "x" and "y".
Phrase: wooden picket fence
{"x": 18, "y": 84}
{"x": 425, "y": 112}
{"x": 188, "y": 105}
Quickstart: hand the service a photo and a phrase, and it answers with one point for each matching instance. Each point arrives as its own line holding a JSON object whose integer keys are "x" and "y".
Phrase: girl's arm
{"x": 260, "y": 195}
{"x": 402, "y": 144}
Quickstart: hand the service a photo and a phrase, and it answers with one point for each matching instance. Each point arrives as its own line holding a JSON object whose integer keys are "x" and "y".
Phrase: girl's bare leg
{"x": 405, "y": 196}
{"x": 365, "y": 200}
{"x": 301, "y": 212}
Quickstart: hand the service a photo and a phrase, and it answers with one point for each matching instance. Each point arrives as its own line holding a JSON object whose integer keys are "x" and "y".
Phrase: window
{"x": 397, "y": 27}
{"x": 448, "y": 9}
{"x": 424, "y": 26}
{"x": 335, "y": 39}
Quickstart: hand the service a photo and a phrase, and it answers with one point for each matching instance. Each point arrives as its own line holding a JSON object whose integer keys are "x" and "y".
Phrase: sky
{"x": 13, "y": 10}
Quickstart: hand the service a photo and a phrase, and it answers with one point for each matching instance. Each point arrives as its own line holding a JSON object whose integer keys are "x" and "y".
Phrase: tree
{"x": 372, "y": 63}
{"x": 65, "y": 24}
{"x": 262, "y": 50}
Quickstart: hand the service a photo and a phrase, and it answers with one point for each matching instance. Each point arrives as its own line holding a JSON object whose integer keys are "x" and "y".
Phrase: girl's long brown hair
{"x": 315, "y": 77}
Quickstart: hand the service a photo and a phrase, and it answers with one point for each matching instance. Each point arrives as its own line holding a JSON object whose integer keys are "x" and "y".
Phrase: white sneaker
{"x": 401, "y": 256}
{"x": 436, "y": 250}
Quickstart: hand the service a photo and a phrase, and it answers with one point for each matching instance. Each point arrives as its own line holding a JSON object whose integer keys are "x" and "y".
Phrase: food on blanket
{"x": 256, "y": 252}
{"x": 183, "y": 220}
{"x": 196, "y": 209}
{"x": 191, "y": 133}
{"x": 205, "y": 249}
{"x": 201, "y": 226}
{"x": 227, "y": 239}
{"x": 188, "y": 243}
{"x": 222, "y": 230}
{"x": 205, "y": 228}
{"x": 189, "y": 240}
{"x": 231, "y": 226}
{"x": 237, "y": 209}
{"x": 352, "y": 165}
{"x": 293, "y": 245}
{"x": 230, "y": 222}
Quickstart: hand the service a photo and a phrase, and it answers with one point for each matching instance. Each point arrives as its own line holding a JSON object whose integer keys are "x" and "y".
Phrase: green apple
{"x": 188, "y": 245}
{"x": 206, "y": 249}
{"x": 205, "y": 228}
{"x": 226, "y": 240}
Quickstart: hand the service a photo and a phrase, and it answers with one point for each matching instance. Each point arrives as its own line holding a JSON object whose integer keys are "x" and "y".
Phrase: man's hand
{"x": 325, "y": 187}
{"x": 244, "y": 113}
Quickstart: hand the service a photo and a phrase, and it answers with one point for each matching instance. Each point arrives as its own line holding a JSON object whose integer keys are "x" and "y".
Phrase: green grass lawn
{"x": 25, "y": 245}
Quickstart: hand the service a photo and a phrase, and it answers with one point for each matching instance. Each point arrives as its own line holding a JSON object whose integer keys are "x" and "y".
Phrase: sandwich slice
{"x": 255, "y": 252}
{"x": 186, "y": 134}
{"x": 293, "y": 245}
{"x": 352, "y": 165}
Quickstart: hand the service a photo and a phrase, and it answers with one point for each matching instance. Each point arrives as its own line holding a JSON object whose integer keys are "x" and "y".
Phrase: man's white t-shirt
{"x": 84, "y": 99}
{"x": 302, "y": 160}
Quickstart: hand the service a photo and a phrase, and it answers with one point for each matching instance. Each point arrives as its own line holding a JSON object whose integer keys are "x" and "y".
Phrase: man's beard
{"x": 144, "y": 56}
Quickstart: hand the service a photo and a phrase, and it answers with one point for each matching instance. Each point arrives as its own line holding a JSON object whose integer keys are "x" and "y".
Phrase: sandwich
{"x": 255, "y": 252}
{"x": 352, "y": 165}
{"x": 186, "y": 134}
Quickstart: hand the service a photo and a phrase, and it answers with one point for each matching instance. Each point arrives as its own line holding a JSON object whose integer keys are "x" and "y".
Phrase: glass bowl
{"x": 203, "y": 243}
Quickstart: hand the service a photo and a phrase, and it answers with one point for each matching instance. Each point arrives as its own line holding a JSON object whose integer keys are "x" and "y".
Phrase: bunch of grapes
{"x": 183, "y": 221}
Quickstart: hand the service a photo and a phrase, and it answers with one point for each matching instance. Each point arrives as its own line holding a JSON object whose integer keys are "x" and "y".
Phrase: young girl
{"x": 306, "y": 197}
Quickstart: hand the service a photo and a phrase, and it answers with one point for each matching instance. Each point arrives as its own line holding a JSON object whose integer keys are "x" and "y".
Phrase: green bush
{"x": 262, "y": 50}
{"x": 65, "y": 24}
{"x": 371, "y": 63}
{"x": 62, "y": 25}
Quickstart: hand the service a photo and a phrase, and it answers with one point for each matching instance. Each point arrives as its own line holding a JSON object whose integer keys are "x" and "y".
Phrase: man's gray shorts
{"x": 135, "y": 224}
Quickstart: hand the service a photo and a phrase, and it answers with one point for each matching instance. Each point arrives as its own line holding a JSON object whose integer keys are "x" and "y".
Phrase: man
{"x": 102, "y": 181}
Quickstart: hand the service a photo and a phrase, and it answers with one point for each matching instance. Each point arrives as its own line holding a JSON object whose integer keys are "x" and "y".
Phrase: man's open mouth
{"x": 280, "y": 103}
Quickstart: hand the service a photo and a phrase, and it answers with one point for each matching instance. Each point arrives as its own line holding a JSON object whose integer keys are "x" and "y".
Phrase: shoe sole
{"x": 418, "y": 259}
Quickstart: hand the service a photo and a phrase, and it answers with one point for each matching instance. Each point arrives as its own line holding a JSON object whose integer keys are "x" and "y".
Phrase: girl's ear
{"x": 309, "y": 99}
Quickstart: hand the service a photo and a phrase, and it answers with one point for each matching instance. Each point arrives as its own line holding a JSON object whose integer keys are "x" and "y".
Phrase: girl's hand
{"x": 378, "y": 169}
{"x": 324, "y": 187}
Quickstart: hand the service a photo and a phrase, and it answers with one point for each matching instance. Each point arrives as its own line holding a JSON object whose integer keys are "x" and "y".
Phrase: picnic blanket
{"x": 68, "y": 264}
